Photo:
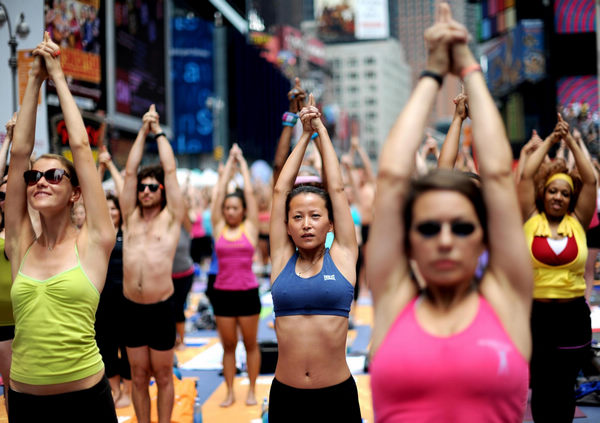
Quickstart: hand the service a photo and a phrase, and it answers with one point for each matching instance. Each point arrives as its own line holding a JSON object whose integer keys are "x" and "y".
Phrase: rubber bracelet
{"x": 470, "y": 69}
{"x": 289, "y": 119}
{"x": 160, "y": 134}
{"x": 315, "y": 135}
{"x": 429, "y": 74}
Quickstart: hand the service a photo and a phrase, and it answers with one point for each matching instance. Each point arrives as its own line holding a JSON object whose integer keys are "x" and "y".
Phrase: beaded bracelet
{"x": 289, "y": 119}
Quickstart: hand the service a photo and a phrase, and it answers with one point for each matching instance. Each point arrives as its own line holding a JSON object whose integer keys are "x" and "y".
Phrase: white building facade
{"x": 372, "y": 82}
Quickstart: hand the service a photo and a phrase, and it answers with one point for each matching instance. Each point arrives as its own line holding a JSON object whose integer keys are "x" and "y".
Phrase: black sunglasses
{"x": 52, "y": 176}
{"x": 431, "y": 228}
{"x": 2, "y": 196}
{"x": 151, "y": 187}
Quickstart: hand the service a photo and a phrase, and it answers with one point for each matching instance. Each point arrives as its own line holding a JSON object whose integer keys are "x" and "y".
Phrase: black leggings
{"x": 337, "y": 403}
{"x": 92, "y": 405}
{"x": 561, "y": 334}
{"x": 182, "y": 289}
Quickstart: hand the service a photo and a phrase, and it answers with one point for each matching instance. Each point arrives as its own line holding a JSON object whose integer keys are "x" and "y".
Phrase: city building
{"x": 371, "y": 82}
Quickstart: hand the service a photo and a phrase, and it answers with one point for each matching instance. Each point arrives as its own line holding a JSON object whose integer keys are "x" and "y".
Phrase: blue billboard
{"x": 192, "y": 79}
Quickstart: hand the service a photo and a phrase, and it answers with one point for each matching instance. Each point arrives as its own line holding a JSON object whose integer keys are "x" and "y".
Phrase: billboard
{"x": 76, "y": 27}
{"x": 573, "y": 16}
{"x": 192, "y": 82}
{"x": 352, "y": 20}
{"x": 139, "y": 67}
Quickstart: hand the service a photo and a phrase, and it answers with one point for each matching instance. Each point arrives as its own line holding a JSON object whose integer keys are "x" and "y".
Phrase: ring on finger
{"x": 56, "y": 53}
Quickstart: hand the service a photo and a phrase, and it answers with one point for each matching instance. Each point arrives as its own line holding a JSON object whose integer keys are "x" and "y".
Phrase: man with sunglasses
{"x": 153, "y": 209}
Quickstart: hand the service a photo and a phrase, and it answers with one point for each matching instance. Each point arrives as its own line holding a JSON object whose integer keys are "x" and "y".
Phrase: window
{"x": 369, "y": 60}
{"x": 352, "y": 62}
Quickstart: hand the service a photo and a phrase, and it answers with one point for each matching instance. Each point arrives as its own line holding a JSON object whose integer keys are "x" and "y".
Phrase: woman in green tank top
{"x": 58, "y": 270}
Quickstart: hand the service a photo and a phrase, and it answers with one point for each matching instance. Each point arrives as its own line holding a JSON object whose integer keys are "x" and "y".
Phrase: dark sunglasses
{"x": 151, "y": 187}
{"x": 2, "y": 196}
{"x": 432, "y": 228}
{"x": 52, "y": 176}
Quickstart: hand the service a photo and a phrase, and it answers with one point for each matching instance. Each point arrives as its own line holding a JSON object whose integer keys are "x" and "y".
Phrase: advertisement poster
{"x": 75, "y": 25}
{"x": 192, "y": 79}
{"x": 140, "y": 57}
{"x": 351, "y": 20}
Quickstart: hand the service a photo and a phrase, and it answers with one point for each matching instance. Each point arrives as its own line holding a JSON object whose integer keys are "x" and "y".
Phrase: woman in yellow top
{"x": 56, "y": 373}
{"x": 556, "y": 207}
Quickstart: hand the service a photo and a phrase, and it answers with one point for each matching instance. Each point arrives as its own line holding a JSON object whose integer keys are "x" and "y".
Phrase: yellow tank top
{"x": 564, "y": 278}
{"x": 6, "y": 311}
{"x": 54, "y": 328}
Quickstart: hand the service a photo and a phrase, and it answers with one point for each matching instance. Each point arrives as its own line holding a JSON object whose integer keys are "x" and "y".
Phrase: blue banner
{"x": 192, "y": 79}
{"x": 515, "y": 57}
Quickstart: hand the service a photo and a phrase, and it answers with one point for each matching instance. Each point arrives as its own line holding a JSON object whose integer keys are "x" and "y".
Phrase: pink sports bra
{"x": 476, "y": 375}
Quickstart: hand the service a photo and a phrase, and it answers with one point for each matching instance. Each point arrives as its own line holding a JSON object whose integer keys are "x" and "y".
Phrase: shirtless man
{"x": 152, "y": 208}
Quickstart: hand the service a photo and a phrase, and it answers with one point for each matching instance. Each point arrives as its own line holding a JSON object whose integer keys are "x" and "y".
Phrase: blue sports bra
{"x": 328, "y": 292}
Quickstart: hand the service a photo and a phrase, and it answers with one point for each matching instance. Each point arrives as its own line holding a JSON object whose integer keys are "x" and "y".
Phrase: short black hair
{"x": 309, "y": 189}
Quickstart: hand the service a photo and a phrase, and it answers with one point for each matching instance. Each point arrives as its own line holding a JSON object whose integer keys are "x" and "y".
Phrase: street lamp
{"x": 22, "y": 30}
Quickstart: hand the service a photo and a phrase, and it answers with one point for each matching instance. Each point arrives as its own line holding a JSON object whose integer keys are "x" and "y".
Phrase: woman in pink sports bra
{"x": 235, "y": 297}
{"x": 456, "y": 350}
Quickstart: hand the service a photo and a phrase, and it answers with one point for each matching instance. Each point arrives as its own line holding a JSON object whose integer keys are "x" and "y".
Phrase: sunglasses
{"x": 2, "y": 196}
{"x": 52, "y": 176}
{"x": 152, "y": 187}
{"x": 432, "y": 228}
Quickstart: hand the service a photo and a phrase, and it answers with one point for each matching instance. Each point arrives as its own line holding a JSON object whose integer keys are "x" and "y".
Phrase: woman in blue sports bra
{"x": 312, "y": 288}
{"x": 57, "y": 373}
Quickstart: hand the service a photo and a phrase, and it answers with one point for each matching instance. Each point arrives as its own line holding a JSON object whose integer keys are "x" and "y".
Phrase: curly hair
{"x": 545, "y": 171}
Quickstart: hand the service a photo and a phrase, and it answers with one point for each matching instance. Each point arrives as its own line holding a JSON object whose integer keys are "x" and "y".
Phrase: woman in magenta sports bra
{"x": 312, "y": 289}
{"x": 456, "y": 350}
{"x": 235, "y": 298}
{"x": 57, "y": 373}
{"x": 557, "y": 206}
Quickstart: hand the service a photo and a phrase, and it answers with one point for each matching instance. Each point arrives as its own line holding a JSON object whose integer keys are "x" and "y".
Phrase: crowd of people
{"x": 480, "y": 272}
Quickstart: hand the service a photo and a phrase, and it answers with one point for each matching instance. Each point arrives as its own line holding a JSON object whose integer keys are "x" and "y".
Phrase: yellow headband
{"x": 561, "y": 176}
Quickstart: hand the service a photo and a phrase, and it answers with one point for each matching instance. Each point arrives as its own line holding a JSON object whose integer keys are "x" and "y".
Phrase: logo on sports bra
{"x": 328, "y": 277}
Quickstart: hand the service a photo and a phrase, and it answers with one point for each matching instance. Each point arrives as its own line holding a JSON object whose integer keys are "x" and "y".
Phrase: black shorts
{"x": 150, "y": 324}
{"x": 592, "y": 237}
{"x": 235, "y": 303}
{"x": 337, "y": 403}
{"x": 201, "y": 247}
{"x": 7, "y": 333}
{"x": 93, "y": 405}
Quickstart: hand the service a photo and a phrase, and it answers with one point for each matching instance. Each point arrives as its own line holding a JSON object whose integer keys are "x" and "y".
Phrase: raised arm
{"x": 128, "y": 196}
{"x": 105, "y": 162}
{"x": 251, "y": 203}
{"x": 17, "y": 222}
{"x": 216, "y": 215}
{"x": 447, "y": 158}
{"x": 388, "y": 265}
{"x": 345, "y": 236}
{"x": 97, "y": 220}
{"x": 586, "y": 202}
{"x": 10, "y": 126}
{"x": 296, "y": 97}
{"x": 281, "y": 246}
{"x": 510, "y": 272}
{"x": 364, "y": 158}
{"x": 526, "y": 186}
{"x": 175, "y": 204}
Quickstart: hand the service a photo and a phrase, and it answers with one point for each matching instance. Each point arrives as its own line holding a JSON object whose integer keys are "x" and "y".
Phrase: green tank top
{"x": 54, "y": 328}
{"x": 6, "y": 311}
